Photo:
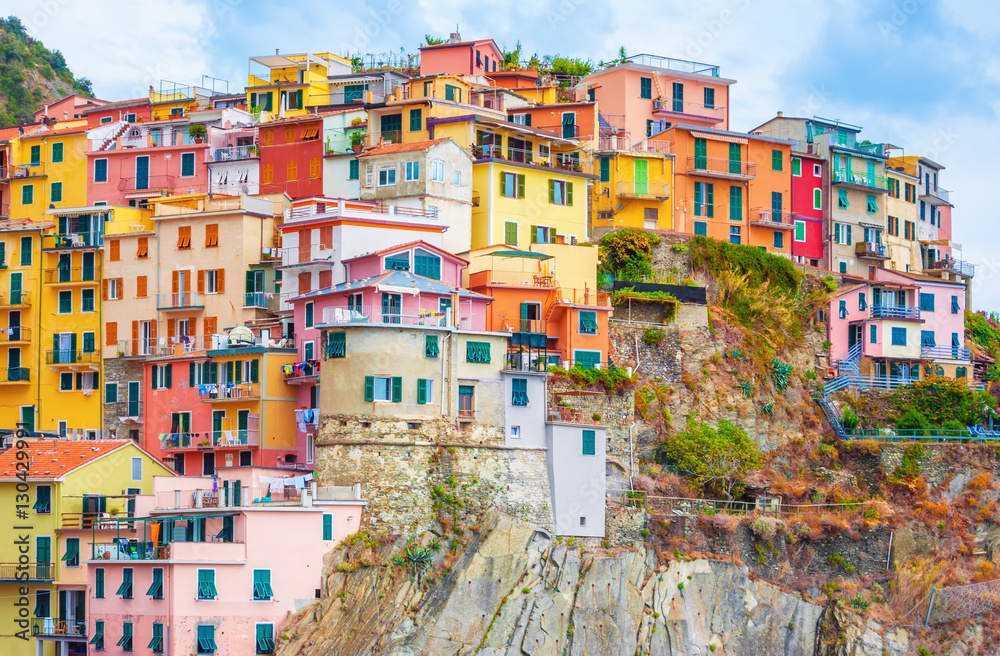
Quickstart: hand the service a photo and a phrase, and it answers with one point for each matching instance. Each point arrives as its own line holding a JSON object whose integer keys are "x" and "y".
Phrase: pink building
{"x": 900, "y": 326}
{"x": 807, "y": 208}
{"x": 68, "y": 108}
{"x": 457, "y": 57}
{"x": 205, "y": 571}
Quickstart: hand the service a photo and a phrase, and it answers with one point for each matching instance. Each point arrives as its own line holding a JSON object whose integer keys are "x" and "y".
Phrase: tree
{"x": 717, "y": 459}
{"x": 433, "y": 41}
{"x": 940, "y": 399}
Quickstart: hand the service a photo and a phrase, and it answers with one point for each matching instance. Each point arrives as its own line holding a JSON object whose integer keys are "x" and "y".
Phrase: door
{"x": 14, "y": 326}
{"x": 641, "y": 176}
{"x": 88, "y": 266}
{"x": 145, "y": 337}
{"x": 218, "y": 419}
{"x": 243, "y": 426}
{"x": 208, "y": 464}
{"x": 142, "y": 172}
{"x": 130, "y": 504}
{"x": 530, "y": 314}
{"x": 305, "y": 247}
{"x": 391, "y": 308}
{"x": 43, "y": 556}
{"x": 678, "y": 97}
{"x": 64, "y": 267}
{"x": 64, "y": 343}
{"x": 134, "y": 409}
{"x": 93, "y": 507}
{"x": 569, "y": 125}
{"x": 28, "y": 417}
{"x": 183, "y": 286}
{"x": 14, "y": 364}
{"x": 15, "y": 288}
{"x": 700, "y": 154}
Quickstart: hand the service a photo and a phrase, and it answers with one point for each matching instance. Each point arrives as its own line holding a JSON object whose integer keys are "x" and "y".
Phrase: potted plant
{"x": 357, "y": 140}
{"x": 356, "y": 121}
{"x": 197, "y": 131}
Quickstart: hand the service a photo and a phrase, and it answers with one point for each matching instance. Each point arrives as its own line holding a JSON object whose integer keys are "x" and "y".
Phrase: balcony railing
{"x": 560, "y": 161}
{"x": 512, "y": 278}
{"x": 960, "y": 267}
{"x": 234, "y": 153}
{"x": 860, "y": 146}
{"x": 771, "y": 218}
{"x": 266, "y": 300}
{"x": 374, "y": 139}
{"x": 892, "y": 312}
{"x": 73, "y": 275}
{"x": 859, "y": 179}
{"x": 212, "y": 439}
{"x": 55, "y": 626}
{"x": 15, "y": 375}
{"x": 720, "y": 167}
{"x": 945, "y": 352}
{"x": 229, "y": 392}
{"x": 139, "y": 348}
{"x": 98, "y": 521}
{"x": 300, "y": 370}
{"x": 377, "y": 315}
{"x": 622, "y": 142}
{"x": 934, "y": 192}
{"x": 14, "y": 572}
{"x": 205, "y": 550}
{"x": 15, "y": 299}
{"x": 149, "y": 183}
{"x": 71, "y": 356}
{"x": 581, "y": 296}
{"x": 17, "y": 171}
{"x": 533, "y": 361}
{"x": 179, "y": 301}
{"x": 871, "y": 249}
{"x": 631, "y": 189}
{"x": 72, "y": 240}
{"x": 682, "y": 65}
{"x": 15, "y": 334}
{"x": 667, "y": 106}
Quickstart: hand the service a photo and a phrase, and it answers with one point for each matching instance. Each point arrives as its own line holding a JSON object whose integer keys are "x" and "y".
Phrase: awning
{"x": 720, "y": 137}
{"x": 392, "y": 289}
{"x": 539, "y": 256}
{"x": 876, "y": 226}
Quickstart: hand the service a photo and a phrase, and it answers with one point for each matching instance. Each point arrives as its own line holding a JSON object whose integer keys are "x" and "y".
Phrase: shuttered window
{"x": 589, "y": 443}
{"x": 519, "y": 391}
{"x": 477, "y": 352}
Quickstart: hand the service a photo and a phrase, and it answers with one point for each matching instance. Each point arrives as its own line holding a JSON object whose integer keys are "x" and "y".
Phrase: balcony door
{"x": 142, "y": 172}
{"x": 392, "y": 307}
{"x": 15, "y": 288}
{"x": 14, "y": 364}
{"x": 134, "y": 387}
{"x": 14, "y": 326}
{"x": 641, "y": 176}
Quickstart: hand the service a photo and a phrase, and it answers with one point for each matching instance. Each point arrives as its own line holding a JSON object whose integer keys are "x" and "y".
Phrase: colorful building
{"x": 901, "y": 219}
{"x": 203, "y": 572}
{"x": 48, "y": 170}
{"x": 68, "y": 108}
{"x": 71, "y": 483}
{"x": 280, "y": 86}
{"x": 809, "y": 201}
{"x": 458, "y": 57}
{"x": 526, "y": 83}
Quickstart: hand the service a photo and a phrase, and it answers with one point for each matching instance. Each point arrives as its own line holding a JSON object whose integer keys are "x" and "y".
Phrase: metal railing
{"x": 892, "y": 312}
{"x": 860, "y": 146}
{"x": 722, "y": 167}
{"x": 377, "y": 315}
{"x": 399, "y": 210}
{"x": 529, "y": 361}
{"x": 150, "y": 183}
{"x": 843, "y": 176}
{"x": 301, "y": 370}
{"x": 871, "y": 249}
{"x": 15, "y": 375}
{"x": 643, "y": 189}
{"x": 230, "y": 392}
{"x": 34, "y": 571}
{"x": 267, "y": 300}
{"x": 877, "y": 382}
{"x": 234, "y": 153}
{"x": 54, "y": 626}
{"x": 374, "y": 139}
{"x": 769, "y": 215}
{"x": 72, "y": 240}
{"x": 15, "y": 334}
{"x": 93, "y": 520}
{"x": 178, "y": 300}
{"x": 72, "y": 275}
{"x": 212, "y": 439}
{"x": 15, "y": 299}
{"x": 772, "y": 506}
{"x": 945, "y": 352}
{"x": 934, "y": 191}
{"x": 71, "y": 356}
{"x": 622, "y": 142}
{"x": 689, "y": 107}
{"x": 28, "y": 170}
{"x": 511, "y": 278}
{"x": 669, "y": 63}
{"x": 582, "y": 296}
{"x": 960, "y": 267}
{"x": 558, "y": 161}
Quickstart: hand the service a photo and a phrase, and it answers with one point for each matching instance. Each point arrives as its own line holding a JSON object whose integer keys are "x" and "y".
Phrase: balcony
{"x": 15, "y": 299}
{"x": 376, "y": 139}
{"x": 72, "y": 241}
{"x": 14, "y": 375}
{"x": 21, "y": 171}
{"x": 212, "y": 440}
{"x": 512, "y": 279}
{"x": 675, "y": 107}
{"x": 234, "y": 154}
{"x": 376, "y": 315}
{"x": 86, "y": 276}
{"x": 871, "y": 250}
{"x": 860, "y": 180}
{"x": 59, "y": 628}
{"x": 930, "y": 352}
{"x": 265, "y": 300}
{"x": 893, "y": 312}
{"x": 720, "y": 167}
{"x": 71, "y": 357}
{"x": 569, "y": 295}
{"x": 151, "y": 183}
{"x": 868, "y": 147}
{"x": 959, "y": 267}
{"x": 528, "y": 157}
{"x": 35, "y": 572}
{"x": 652, "y": 190}
{"x": 96, "y": 521}
{"x": 179, "y": 301}
{"x": 309, "y": 254}
{"x": 300, "y": 372}
{"x": 15, "y": 335}
{"x": 137, "y": 550}
{"x": 623, "y": 143}
{"x": 765, "y": 217}
{"x": 934, "y": 195}
{"x": 529, "y": 361}
{"x": 230, "y": 392}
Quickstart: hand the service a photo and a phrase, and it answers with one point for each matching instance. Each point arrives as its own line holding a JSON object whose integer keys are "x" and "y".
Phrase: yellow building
{"x": 69, "y": 485}
{"x": 633, "y": 188}
{"x": 50, "y": 170}
{"x": 290, "y": 85}
{"x": 901, "y": 221}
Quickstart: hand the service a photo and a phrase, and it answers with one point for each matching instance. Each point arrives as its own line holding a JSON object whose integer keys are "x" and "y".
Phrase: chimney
{"x": 780, "y": 114}
{"x": 454, "y": 37}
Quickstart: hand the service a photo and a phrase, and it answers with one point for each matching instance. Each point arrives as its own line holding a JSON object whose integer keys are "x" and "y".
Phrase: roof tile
{"x": 57, "y": 457}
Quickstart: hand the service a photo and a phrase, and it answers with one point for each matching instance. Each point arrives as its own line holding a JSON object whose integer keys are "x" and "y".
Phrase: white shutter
{"x": 369, "y": 175}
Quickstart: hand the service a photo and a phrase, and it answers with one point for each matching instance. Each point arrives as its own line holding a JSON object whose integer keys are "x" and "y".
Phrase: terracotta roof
{"x": 9, "y": 133}
{"x": 924, "y": 277}
{"x": 118, "y": 103}
{"x": 56, "y": 458}
{"x": 23, "y": 225}
{"x": 50, "y": 133}
{"x": 409, "y": 244}
{"x": 386, "y": 149}
{"x": 309, "y": 117}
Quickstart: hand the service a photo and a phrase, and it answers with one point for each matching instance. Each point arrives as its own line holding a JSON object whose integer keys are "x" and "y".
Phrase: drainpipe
{"x": 630, "y": 459}
{"x": 444, "y": 341}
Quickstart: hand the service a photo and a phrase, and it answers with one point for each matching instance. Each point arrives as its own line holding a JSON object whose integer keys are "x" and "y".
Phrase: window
{"x": 416, "y": 120}
{"x": 428, "y": 266}
{"x": 465, "y": 400}
{"x": 100, "y": 170}
{"x": 735, "y": 235}
{"x": 384, "y": 388}
{"x": 645, "y": 87}
{"x": 43, "y": 499}
{"x": 111, "y": 392}
{"x": 99, "y": 583}
{"x": 354, "y": 170}
{"x": 457, "y": 179}
{"x": 817, "y": 198}
{"x": 927, "y": 302}
{"x": 137, "y": 469}
{"x": 431, "y": 349}
{"x": 560, "y": 192}
{"x": 156, "y": 587}
{"x": 452, "y": 93}
{"x": 187, "y": 165}
{"x": 184, "y": 237}
{"x": 309, "y": 315}
{"x": 211, "y": 235}
{"x": 125, "y": 589}
{"x": 387, "y": 177}
{"x": 262, "y": 585}
{"x": 927, "y": 338}
{"x": 898, "y": 336}
{"x": 162, "y": 375}
{"x": 265, "y": 639}
{"x": 65, "y": 302}
{"x": 437, "y": 170}
{"x": 588, "y": 323}
{"x": 87, "y": 300}
{"x": 425, "y": 391}
{"x": 26, "y": 245}
{"x": 66, "y": 382}
{"x": 701, "y": 228}
{"x": 522, "y": 119}
{"x": 587, "y": 359}
{"x": 735, "y": 203}
{"x": 125, "y": 642}
{"x": 776, "y": 160}
{"x": 511, "y": 185}
{"x": 779, "y": 239}
{"x": 842, "y": 311}
{"x": 873, "y": 333}
{"x": 327, "y": 526}
{"x": 796, "y": 166}
{"x": 955, "y": 309}
{"x": 519, "y": 391}
{"x": 589, "y": 443}
{"x": 292, "y": 170}
{"x": 398, "y": 262}
{"x": 510, "y": 233}
{"x": 842, "y": 201}
{"x": 89, "y": 342}
{"x": 800, "y": 231}
{"x": 478, "y": 352}
{"x": 412, "y": 171}
{"x": 862, "y": 303}
{"x": 872, "y": 205}
{"x": 704, "y": 199}
{"x": 336, "y": 345}
{"x": 156, "y": 643}
{"x": 56, "y": 194}
{"x": 206, "y": 584}
{"x": 27, "y": 194}
{"x": 206, "y": 639}
{"x": 36, "y": 155}
{"x": 709, "y": 98}
{"x": 212, "y": 279}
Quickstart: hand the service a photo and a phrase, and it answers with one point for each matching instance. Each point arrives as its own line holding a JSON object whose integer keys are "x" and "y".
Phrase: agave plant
{"x": 417, "y": 559}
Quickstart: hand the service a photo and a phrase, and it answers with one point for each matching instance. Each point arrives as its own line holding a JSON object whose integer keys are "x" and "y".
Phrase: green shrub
{"x": 941, "y": 399}
{"x": 717, "y": 459}
{"x": 830, "y": 283}
{"x": 679, "y": 248}
{"x": 653, "y": 336}
{"x": 914, "y": 420}
{"x": 758, "y": 265}
{"x": 909, "y": 468}
{"x": 850, "y": 420}
{"x": 955, "y": 425}
{"x": 626, "y": 253}
{"x": 781, "y": 372}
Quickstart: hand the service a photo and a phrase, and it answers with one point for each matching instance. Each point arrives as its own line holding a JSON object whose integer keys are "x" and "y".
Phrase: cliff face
{"x": 514, "y": 590}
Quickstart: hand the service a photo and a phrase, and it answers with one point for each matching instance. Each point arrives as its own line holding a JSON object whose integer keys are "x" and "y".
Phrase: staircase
{"x": 659, "y": 87}
{"x": 832, "y": 416}
{"x": 848, "y": 365}
{"x": 112, "y": 140}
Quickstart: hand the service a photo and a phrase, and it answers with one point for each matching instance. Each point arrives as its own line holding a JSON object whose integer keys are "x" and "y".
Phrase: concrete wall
{"x": 577, "y": 480}
{"x": 529, "y": 419}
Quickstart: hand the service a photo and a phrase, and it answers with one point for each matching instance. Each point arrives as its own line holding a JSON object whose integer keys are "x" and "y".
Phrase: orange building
{"x": 731, "y": 186}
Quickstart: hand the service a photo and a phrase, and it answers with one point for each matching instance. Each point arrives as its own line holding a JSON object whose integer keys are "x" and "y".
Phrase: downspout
{"x": 630, "y": 458}
{"x": 447, "y": 336}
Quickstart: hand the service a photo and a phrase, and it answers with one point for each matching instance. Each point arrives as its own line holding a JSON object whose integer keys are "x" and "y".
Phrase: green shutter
{"x": 849, "y": 240}
{"x": 369, "y": 388}
{"x": 520, "y": 185}
{"x": 796, "y": 166}
{"x": 168, "y": 375}
{"x": 510, "y": 233}
{"x": 779, "y": 239}
{"x": 421, "y": 391}
{"x": 710, "y": 199}
{"x": 776, "y": 160}
{"x": 192, "y": 376}
{"x": 262, "y": 584}
{"x": 265, "y": 638}
{"x": 605, "y": 169}
{"x": 416, "y": 120}
{"x": 701, "y": 228}
{"x": 431, "y": 346}
{"x": 56, "y": 194}
{"x": 99, "y": 583}
{"x": 589, "y": 443}
{"x": 57, "y": 152}
{"x": 206, "y": 584}
{"x": 327, "y": 526}
{"x": 569, "y": 194}
{"x": 735, "y": 203}
{"x": 800, "y": 231}
{"x": 397, "y": 389}
{"x": 255, "y": 371}
{"x": 552, "y": 191}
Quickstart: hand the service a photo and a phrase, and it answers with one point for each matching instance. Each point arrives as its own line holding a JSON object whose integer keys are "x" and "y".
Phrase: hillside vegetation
{"x": 31, "y": 75}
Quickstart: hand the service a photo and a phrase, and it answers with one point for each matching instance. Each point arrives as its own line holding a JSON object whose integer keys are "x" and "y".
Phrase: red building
{"x": 808, "y": 202}
{"x": 291, "y": 155}
{"x": 123, "y": 110}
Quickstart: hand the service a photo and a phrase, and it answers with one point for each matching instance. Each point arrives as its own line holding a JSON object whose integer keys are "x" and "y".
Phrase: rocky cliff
{"x": 512, "y": 590}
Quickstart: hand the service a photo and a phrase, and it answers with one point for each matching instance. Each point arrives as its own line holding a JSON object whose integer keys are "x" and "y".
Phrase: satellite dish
{"x": 241, "y": 336}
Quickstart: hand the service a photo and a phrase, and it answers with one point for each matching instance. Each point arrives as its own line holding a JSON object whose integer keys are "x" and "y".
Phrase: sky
{"x": 920, "y": 74}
